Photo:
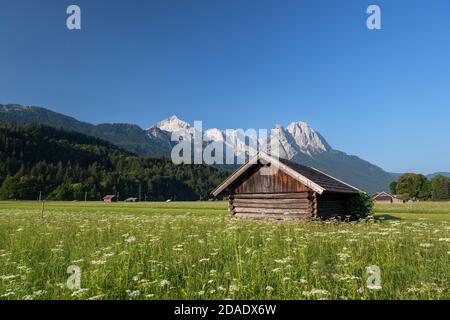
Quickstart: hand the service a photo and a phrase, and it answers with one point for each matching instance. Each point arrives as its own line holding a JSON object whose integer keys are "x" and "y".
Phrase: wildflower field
{"x": 195, "y": 251}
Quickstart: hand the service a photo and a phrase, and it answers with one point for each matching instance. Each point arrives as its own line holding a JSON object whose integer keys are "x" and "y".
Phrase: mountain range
{"x": 432, "y": 175}
{"x": 298, "y": 142}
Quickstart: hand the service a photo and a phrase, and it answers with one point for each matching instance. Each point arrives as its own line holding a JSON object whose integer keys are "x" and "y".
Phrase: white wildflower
{"x": 130, "y": 239}
{"x": 164, "y": 283}
{"x": 79, "y": 292}
{"x": 133, "y": 294}
{"x": 316, "y": 292}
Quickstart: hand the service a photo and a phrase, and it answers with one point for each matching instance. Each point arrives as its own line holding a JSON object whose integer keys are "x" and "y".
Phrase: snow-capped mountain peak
{"x": 297, "y": 137}
{"x": 173, "y": 124}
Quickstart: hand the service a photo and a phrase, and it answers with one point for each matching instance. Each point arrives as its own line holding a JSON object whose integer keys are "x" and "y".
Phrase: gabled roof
{"x": 376, "y": 195}
{"x": 314, "y": 179}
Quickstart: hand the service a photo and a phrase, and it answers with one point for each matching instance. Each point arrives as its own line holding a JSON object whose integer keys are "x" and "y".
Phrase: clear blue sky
{"x": 382, "y": 95}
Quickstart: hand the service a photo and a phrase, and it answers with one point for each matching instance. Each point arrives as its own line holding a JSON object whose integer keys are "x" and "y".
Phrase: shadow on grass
{"x": 385, "y": 217}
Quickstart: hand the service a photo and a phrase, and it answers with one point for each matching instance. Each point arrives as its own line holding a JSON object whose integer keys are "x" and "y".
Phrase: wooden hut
{"x": 266, "y": 186}
{"x": 110, "y": 198}
{"x": 384, "y": 197}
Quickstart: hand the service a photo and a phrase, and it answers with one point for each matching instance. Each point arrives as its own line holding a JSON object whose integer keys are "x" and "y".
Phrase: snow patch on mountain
{"x": 173, "y": 124}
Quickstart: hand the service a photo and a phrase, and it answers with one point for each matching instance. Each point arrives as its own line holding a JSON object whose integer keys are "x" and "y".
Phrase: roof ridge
{"x": 317, "y": 182}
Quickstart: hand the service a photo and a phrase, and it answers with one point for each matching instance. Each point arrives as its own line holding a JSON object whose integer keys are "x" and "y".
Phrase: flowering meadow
{"x": 196, "y": 251}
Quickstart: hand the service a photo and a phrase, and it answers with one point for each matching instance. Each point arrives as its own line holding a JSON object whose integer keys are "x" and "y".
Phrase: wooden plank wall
{"x": 273, "y": 205}
{"x": 271, "y": 194}
{"x": 271, "y": 180}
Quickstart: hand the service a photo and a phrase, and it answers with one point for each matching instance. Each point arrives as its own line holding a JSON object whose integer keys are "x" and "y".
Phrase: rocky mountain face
{"x": 297, "y": 138}
{"x": 297, "y": 142}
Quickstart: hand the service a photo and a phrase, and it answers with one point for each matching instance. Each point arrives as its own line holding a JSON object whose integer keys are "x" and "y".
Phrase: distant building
{"x": 110, "y": 198}
{"x": 384, "y": 197}
{"x": 131, "y": 200}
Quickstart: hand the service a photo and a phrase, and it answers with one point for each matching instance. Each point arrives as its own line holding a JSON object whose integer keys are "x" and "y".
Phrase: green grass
{"x": 429, "y": 211}
{"x": 193, "y": 250}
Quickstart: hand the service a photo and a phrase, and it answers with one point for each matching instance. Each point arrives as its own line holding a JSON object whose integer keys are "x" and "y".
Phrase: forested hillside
{"x": 127, "y": 136}
{"x": 63, "y": 165}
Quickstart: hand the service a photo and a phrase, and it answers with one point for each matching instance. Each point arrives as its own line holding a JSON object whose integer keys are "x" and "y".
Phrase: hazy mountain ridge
{"x": 432, "y": 175}
{"x": 298, "y": 141}
{"x": 127, "y": 136}
{"x": 68, "y": 165}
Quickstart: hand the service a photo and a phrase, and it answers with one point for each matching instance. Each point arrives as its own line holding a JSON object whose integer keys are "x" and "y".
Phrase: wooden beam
{"x": 271, "y": 211}
{"x": 303, "y": 206}
{"x": 294, "y": 195}
{"x": 272, "y": 201}
{"x": 271, "y": 216}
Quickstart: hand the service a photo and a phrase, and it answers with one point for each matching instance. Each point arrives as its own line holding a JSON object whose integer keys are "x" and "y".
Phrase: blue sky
{"x": 382, "y": 95}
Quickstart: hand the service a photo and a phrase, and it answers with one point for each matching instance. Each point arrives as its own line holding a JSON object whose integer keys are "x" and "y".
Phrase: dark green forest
{"x": 66, "y": 165}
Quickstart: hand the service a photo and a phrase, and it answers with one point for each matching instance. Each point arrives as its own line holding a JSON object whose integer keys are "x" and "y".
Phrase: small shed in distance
{"x": 110, "y": 198}
{"x": 384, "y": 197}
{"x": 266, "y": 186}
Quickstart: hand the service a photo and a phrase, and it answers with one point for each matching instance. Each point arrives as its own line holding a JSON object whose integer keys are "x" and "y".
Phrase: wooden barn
{"x": 266, "y": 186}
{"x": 384, "y": 197}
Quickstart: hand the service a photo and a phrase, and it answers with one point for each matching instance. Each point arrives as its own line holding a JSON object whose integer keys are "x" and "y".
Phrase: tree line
{"x": 417, "y": 186}
{"x": 65, "y": 165}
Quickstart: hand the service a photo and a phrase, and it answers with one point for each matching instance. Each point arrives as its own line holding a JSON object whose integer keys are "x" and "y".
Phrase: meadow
{"x": 193, "y": 250}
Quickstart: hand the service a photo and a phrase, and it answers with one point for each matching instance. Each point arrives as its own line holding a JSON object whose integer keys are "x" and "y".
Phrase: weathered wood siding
{"x": 269, "y": 180}
{"x": 273, "y": 205}
{"x": 271, "y": 193}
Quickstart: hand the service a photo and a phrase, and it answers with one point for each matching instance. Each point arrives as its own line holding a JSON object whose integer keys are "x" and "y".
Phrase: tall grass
{"x": 195, "y": 251}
